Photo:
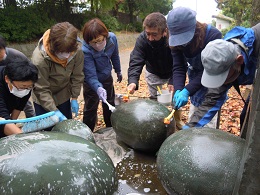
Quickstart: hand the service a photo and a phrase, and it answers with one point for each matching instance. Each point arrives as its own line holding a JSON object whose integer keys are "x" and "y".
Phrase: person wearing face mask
{"x": 152, "y": 51}
{"x": 7, "y": 55}
{"x": 188, "y": 37}
{"x": 17, "y": 80}
{"x": 229, "y": 62}
{"x": 59, "y": 59}
{"x": 101, "y": 55}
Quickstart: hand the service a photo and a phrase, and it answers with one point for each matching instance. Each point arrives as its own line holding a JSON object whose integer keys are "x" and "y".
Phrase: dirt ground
{"x": 230, "y": 112}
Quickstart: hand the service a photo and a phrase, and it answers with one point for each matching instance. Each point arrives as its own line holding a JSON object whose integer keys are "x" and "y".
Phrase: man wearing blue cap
{"x": 188, "y": 37}
{"x": 229, "y": 62}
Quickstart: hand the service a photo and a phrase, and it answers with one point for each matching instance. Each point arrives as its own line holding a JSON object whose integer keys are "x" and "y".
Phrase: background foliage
{"x": 26, "y": 20}
{"x": 245, "y": 12}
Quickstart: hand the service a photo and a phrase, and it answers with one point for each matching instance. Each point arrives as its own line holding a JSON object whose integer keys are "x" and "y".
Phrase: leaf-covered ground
{"x": 230, "y": 112}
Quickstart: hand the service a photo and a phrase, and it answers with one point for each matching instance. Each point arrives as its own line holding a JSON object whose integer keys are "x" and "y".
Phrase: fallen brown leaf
{"x": 230, "y": 112}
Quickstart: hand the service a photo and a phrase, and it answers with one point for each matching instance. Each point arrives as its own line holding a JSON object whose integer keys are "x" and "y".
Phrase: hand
{"x": 185, "y": 127}
{"x": 74, "y": 106}
{"x": 131, "y": 88}
{"x": 170, "y": 88}
{"x": 181, "y": 98}
{"x": 119, "y": 77}
{"x": 60, "y": 115}
{"x": 102, "y": 94}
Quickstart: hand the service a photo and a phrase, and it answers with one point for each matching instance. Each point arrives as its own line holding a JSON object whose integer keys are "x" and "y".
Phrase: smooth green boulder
{"x": 54, "y": 163}
{"x": 74, "y": 127}
{"x": 140, "y": 124}
{"x": 200, "y": 161}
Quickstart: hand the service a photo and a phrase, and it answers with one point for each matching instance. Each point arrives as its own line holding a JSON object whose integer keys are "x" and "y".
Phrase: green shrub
{"x": 22, "y": 25}
{"x": 111, "y": 23}
{"x": 87, "y": 15}
{"x": 135, "y": 27}
{"x": 245, "y": 24}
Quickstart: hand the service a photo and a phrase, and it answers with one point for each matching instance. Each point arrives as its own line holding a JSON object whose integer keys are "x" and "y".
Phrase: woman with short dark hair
{"x": 100, "y": 50}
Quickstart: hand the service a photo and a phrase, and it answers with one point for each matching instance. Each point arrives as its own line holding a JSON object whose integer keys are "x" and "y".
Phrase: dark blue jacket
{"x": 247, "y": 37}
{"x": 194, "y": 67}
{"x": 98, "y": 64}
{"x": 215, "y": 98}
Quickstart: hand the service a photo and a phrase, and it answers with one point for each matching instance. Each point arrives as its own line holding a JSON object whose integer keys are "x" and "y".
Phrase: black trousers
{"x": 64, "y": 108}
{"x": 91, "y": 103}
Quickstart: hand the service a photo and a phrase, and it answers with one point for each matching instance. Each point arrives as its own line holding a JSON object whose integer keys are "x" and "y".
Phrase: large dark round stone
{"x": 74, "y": 127}
{"x": 200, "y": 161}
{"x": 140, "y": 124}
{"x": 54, "y": 163}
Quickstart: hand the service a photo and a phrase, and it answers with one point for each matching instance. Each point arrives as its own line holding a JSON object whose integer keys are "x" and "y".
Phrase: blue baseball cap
{"x": 181, "y": 22}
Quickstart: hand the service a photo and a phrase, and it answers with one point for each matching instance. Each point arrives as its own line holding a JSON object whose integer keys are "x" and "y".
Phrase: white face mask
{"x": 63, "y": 55}
{"x": 99, "y": 46}
{"x": 19, "y": 93}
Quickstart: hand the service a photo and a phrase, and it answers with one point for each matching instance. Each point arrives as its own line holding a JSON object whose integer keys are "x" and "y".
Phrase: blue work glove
{"x": 185, "y": 127}
{"x": 119, "y": 77}
{"x": 181, "y": 98}
{"x": 74, "y": 107}
{"x": 60, "y": 115}
{"x": 102, "y": 94}
{"x": 175, "y": 95}
{"x": 173, "y": 99}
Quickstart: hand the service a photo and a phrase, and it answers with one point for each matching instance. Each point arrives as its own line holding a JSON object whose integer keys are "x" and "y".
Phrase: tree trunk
{"x": 92, "y": 6}
{"x": 115, "y": 8}
{"x": 9, "y": 3}
{"x": 255, "y": 17}
{"x": 130, "y": 4}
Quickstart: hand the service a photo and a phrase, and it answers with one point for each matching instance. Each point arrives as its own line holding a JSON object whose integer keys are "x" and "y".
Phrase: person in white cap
{"x": 188, "y": 37}
{"x": 229, "y": 62}
{"x": 222, "y": 63}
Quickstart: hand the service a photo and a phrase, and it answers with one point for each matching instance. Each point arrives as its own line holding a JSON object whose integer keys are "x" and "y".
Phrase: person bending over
{"x": 17, "y": 79}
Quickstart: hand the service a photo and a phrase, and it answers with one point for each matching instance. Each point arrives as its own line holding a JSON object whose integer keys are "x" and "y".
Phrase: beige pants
{"x": 153, "y": 81}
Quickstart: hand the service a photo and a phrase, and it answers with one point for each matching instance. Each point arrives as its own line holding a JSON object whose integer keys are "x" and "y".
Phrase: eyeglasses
{"x": 100, "y": 39}
{"x": 21, "y": 89}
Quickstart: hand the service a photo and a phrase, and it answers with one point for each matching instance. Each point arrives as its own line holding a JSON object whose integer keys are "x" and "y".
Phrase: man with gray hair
{"x": 152, "y": 50}
{"x": 229, "y": 62}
